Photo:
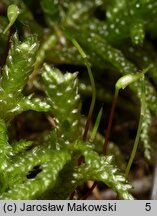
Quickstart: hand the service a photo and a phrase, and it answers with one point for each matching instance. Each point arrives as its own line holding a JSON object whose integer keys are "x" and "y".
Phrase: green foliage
{"x": 106, "y": 172}
{"x": 96, "y": 168}
{"x": 19, "y": 65}
{"x": 21, "y": 187}
{"x": 51, "y": 9}
{"x": 5, "y": 148}
{"x": 49, "y": 161}
{"x": 110, "y": 36}
{"x": 64, "y": 99}
{"x": 145, "y": 133}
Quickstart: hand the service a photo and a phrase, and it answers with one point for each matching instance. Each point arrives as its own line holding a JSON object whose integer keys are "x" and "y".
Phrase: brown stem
{"x": 105, "y": 148}
{"x": 90, "y": 190}
{"x": 7, "y": 46}
{"x": 87, "y": 128}
{"x": 108, "y": 131}
{"x": 84, "y": 137}
{"x": 2, "y": 9}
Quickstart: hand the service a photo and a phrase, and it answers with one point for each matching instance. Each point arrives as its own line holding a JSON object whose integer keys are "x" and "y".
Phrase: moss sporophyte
{"x": 60, "y": 62}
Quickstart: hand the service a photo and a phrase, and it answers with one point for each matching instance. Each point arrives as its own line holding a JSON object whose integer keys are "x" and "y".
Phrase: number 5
{"x": 148, "y": 207}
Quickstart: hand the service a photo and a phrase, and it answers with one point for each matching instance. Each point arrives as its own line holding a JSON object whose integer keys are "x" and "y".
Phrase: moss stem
{"x": 84, "y": 56}
{"x": 133, "y": 153}
{"x": 108, "y": 131}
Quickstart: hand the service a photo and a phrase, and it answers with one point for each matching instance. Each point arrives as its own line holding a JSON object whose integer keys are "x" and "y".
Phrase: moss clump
{"x": 53, "y": 156}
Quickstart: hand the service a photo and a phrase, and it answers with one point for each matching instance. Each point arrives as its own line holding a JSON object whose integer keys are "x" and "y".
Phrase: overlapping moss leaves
{"x": 29, "y": 62}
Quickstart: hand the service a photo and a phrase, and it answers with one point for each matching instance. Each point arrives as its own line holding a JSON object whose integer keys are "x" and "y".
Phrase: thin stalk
{"x": 108, "y": 131}
{"x": 92, "y": 137}
{"x": 7, "y": 46}
{"x": 90, "y": 113}
{"x": 122, "y": 83}
{"x": 133, "y": 153}
{"x": 89, "y": 191}
{"x": 96, "y": 125}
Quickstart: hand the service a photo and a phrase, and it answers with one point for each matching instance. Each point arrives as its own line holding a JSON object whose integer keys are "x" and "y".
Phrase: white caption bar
{"x": 80, "y": 207}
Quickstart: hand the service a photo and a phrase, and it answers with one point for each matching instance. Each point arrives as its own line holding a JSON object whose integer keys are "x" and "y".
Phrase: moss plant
{"x": 59, "y": 63}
